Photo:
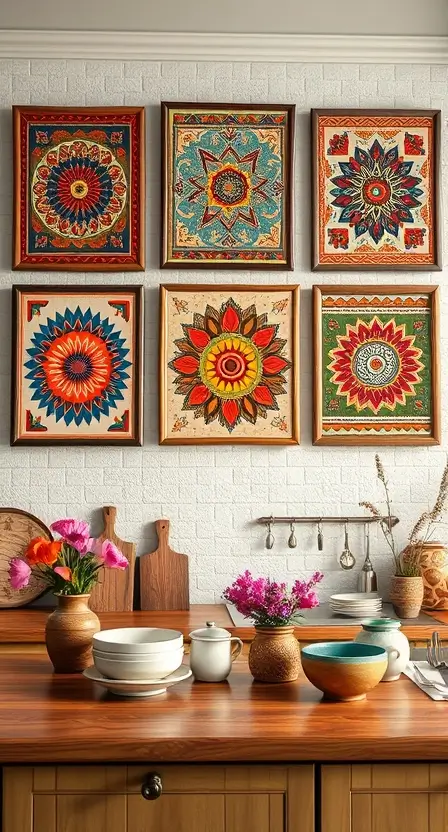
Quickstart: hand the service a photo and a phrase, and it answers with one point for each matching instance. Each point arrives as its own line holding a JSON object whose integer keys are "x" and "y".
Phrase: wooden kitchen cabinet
{"x": 212, "y": 798}
{"x": 394, "y": 797}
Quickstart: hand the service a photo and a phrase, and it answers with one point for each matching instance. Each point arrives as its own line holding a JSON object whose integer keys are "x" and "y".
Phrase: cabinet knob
{"x": 152, "y": 786}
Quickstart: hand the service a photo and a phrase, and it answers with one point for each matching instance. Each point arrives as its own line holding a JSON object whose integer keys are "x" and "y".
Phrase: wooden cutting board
{"x": 17, "y": 528}
{"x": 164, "y": 575}
{"x": 115, "y": 591}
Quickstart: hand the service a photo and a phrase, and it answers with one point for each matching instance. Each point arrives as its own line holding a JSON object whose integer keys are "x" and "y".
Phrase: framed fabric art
{"x": 77, "y": 365}
{"x": 376, "y": 189}
{"x": 227, "y": 186}
{"x": 376, "y": 362}
{"x": 79, "y": 188}
{"x": 229, "y": 364}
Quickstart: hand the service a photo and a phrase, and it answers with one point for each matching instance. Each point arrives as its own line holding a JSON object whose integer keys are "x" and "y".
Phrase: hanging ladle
{"x": 270, "y": 537}
{"x": 347, "y": 560}
{"x": 292, "y": 540}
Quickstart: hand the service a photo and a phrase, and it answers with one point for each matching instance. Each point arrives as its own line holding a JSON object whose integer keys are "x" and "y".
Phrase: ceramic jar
{"x": 212, "y": 652}
{"x": 406, "y": 595}
{"x": 433, "y": 562}
{"x": 385, "y": 632}
{"x": 68, "y": 634}
{"x": 274, "y": 655}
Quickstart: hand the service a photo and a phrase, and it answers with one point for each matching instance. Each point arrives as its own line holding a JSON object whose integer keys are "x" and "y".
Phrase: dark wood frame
{"x": 137, "y": 423}
{"x": 18, "y": 264}
{"x": 318, "y": 438}
{"x": 335, "y": 267}
{"x": 165, "y": 262}
{"x": 295, "y": 370}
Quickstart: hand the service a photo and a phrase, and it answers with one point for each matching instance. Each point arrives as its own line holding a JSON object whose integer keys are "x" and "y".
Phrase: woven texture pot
{"x": 68, "y": 634}
{"x": 274, "y": 655}
{"x": 406, "y": 595}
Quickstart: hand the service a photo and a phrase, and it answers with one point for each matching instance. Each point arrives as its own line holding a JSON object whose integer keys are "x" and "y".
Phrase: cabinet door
{"x": 194, "y": 798}
{"x": 394, "y": 797}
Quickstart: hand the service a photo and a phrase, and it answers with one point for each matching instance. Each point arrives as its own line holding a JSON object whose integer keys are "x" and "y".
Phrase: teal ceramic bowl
{"x": 344, "y": 670}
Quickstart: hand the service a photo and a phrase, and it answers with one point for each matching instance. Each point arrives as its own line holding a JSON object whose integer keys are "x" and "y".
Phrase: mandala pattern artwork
{"x": 228, "y": 187}
{"x": 377, "y": 365}
{"x": 80, "y": 188}
{"x": 77, "y": 366}
{"x": 375, "y": 190}
{"x": 230, "y": 368}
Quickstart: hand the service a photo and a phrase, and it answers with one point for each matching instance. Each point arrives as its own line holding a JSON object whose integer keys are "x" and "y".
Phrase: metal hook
{"x": 292, "y": 542}
{"x": 320, "y": 536}
{"x": 270, "y": 537}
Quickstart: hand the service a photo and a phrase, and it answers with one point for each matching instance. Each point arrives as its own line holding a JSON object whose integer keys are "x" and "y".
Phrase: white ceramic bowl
{"x": 138, "y": 640}
{"x": 133, "y": 657}
{"x": 125, "y": 669}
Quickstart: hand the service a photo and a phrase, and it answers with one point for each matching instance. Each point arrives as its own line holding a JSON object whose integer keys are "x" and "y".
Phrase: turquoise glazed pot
{"x": 344, "y": 670}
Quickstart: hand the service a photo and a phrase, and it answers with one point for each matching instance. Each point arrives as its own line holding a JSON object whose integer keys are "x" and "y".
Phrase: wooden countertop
{"x": 49, "y": 718}
{"x": 27, "y": 626}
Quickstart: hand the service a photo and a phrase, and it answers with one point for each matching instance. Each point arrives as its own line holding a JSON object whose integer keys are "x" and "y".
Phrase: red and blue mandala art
{"x": 77, "y": 368}
{"x": 80, "y": 199}
{"x": 376, "y": 191}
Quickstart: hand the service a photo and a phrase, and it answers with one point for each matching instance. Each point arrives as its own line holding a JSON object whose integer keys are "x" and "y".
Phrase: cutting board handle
{"x": 110, "y": 516}
{"x": 163, "y": 531}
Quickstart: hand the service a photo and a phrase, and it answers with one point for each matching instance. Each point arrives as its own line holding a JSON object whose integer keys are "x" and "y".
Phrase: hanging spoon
{"x": 292, "y": 540}
{"x": 347, "y": 560}
{"x": 270, "y": 537}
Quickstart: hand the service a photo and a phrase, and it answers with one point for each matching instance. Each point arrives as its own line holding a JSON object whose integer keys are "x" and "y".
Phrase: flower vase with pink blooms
{"x": 69, "y": 567}
{"x": 274, "y": 654}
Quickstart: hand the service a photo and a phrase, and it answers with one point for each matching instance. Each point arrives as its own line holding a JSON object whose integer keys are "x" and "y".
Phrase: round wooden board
{"x": 17, "y": 528}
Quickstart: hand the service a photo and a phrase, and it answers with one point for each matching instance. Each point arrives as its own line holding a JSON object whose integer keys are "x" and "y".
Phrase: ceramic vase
{"x": 274, "y": 655}
{"x": 385, "y": 632}
{"x": 406, "y": 595}
{"x": 68, "y": 634}
{"x": 433, "y": 562}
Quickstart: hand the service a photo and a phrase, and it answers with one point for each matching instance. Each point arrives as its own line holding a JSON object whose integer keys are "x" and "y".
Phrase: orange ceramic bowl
{"x": 344, "y": 670}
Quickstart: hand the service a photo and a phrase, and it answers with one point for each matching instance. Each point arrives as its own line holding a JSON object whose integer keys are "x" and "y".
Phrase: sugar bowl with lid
{"x": 212, "y": 652}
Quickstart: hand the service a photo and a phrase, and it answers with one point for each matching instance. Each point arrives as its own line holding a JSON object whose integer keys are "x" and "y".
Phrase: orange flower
{"x": 43, "y": 551}
{"x": 64, "y": 572}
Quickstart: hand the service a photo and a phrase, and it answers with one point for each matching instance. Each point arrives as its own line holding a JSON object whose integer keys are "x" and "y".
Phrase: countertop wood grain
{"x": 27, "y": 626}
{"x": 48, "y": 718}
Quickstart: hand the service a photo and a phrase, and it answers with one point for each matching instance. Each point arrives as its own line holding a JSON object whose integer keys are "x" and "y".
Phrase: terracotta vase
{"x": 433, "y": 561}
{"x": 406, "y": 595}
{"x": 274, "y": 655}
{"x": 68, "y": 634}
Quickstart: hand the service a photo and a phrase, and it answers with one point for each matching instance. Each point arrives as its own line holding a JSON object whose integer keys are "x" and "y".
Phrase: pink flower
{"x": 64, "y": 572}
{"x": 74, "y": 532}
{"x": 112, "y": 557}
{"x": 19, "y": 573}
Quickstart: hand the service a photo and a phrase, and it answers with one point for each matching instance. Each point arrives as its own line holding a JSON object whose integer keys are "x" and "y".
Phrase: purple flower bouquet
{"x": 271, "y": 604}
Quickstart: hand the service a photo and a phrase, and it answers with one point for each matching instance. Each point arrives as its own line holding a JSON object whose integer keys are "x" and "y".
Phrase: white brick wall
{"x": 213, "y": 494}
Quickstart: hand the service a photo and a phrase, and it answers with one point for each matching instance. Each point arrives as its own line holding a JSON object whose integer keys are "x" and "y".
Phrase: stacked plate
{"x": 357, "y": 604}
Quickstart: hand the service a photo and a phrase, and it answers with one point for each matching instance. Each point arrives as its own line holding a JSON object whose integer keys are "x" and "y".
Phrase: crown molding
{"x": 195, "y": 46}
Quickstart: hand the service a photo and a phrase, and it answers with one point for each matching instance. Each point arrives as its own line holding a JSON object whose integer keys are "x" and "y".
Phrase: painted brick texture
{"x": 212, "y": 495}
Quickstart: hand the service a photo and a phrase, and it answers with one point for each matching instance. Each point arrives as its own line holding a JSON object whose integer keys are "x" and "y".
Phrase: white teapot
{"x": 212, "y": 653}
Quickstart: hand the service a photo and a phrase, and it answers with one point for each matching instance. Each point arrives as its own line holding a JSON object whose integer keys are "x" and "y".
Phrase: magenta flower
{"x": 74, "y": 532}
{"x": 112, "y": 557}
{"x": 19, "y": 573}
{"x": 270, "y": 603}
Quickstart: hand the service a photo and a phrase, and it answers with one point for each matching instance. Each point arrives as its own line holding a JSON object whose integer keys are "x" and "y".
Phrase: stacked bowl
{"x": 134, "y": 653}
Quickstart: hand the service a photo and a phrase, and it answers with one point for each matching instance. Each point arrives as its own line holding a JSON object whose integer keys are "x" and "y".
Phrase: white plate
{"x": 140, "y": 688}
{"x": 356, "y": 598}
{"x": 369, "y": 606}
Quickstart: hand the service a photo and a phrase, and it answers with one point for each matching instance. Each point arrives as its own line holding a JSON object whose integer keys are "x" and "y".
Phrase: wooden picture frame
{"x": 229, "y": 364}
{"x": 227, "y": 186}
{"x": 77, "y": 365}
{"x": 79, "y": 188}
{"x": 376, "y": 365}
{"x": 376, "y": 190}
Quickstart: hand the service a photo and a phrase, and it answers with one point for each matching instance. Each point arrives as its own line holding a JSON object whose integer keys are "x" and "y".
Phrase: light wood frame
{"x": 81, "y": 262}
{"x": 294, "y": 291}
{"x": 341, "y": 266}
{"x": 318, "y": 437}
